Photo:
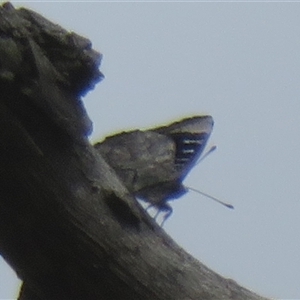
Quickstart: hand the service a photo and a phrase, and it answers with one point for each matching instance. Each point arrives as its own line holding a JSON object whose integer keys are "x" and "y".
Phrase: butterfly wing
{"x": 153, "y": 163}
{"x": 190, "y": 137}
{"x": 141, "y": 159}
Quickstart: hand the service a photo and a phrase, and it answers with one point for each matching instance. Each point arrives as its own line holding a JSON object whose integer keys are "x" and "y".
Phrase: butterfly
{"x": 152, "y": 164}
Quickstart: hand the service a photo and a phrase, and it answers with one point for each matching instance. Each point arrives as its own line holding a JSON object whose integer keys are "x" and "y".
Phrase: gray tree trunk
{"x": 68, "y": 226}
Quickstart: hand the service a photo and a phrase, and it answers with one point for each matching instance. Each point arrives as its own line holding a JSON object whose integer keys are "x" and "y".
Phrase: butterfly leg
{"x": 149, "y": 206}
{"x": 168, "y": 209}
{"x": 163, "y": 207}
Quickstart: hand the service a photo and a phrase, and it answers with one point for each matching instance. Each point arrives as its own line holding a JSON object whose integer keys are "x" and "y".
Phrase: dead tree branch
{"x": 68, "y": 226}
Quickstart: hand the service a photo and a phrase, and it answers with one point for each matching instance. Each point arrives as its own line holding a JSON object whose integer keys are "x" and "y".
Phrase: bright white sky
{"x": 240, "y": 63}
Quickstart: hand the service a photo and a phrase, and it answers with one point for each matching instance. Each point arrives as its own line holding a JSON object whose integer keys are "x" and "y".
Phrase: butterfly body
{"x": 152, "y": 164}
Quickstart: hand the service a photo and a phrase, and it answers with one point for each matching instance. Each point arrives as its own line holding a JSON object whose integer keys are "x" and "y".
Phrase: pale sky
{"x": 240, "y": 63}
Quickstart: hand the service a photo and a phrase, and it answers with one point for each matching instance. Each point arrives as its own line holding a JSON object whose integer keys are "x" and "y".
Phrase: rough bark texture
{"x": 68, "y": 226}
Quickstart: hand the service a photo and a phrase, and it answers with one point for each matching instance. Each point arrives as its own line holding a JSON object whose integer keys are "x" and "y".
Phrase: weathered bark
{"x": 68, "y": 226}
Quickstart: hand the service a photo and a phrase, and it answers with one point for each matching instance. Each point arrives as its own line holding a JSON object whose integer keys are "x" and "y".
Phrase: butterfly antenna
{"x": 211, "y": 197}
{"x": 212, "y": 148}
